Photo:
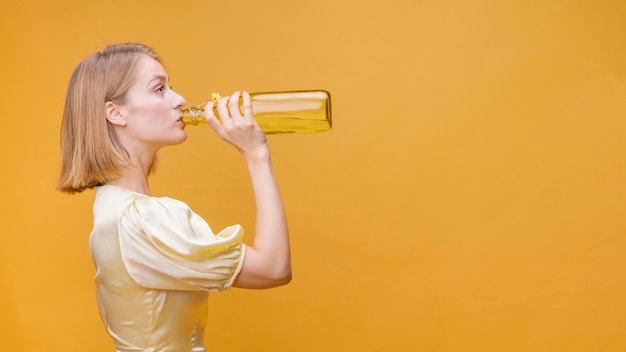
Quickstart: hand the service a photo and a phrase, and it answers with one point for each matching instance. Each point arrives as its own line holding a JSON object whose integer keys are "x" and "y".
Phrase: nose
{"x": 179, "y": 101}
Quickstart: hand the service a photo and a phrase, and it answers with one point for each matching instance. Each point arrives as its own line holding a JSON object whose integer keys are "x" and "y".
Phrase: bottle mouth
{"x": 215, "y": 98}
{"x": 193, "y": 112}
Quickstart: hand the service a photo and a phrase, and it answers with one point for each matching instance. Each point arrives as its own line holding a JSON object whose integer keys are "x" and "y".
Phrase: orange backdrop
{"x": 470, "y": 196}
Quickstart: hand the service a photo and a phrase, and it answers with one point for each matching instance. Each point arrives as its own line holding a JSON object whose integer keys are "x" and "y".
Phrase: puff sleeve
{"x": 165, "y": 245}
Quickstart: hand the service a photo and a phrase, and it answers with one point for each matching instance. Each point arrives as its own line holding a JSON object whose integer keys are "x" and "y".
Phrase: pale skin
{"x": 149, "y": 119}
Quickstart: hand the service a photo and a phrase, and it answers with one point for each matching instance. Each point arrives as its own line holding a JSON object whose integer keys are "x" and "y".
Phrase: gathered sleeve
{"x": 165, "y": 245}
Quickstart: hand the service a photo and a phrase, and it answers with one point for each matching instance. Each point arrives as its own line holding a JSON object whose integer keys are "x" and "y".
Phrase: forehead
{"x": 149, "y": 68}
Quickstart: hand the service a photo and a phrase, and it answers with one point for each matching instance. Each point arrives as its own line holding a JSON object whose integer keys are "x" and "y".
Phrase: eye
{"x": 162, "y": 88}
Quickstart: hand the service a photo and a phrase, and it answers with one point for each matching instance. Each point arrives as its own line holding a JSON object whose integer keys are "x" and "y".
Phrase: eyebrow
{"x": 157, "y": 78}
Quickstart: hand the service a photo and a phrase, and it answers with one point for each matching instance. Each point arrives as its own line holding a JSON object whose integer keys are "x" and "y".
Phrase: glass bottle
{"x": 306, "y": 111}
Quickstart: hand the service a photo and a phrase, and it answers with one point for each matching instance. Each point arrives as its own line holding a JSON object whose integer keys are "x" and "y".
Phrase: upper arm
{"x": 258, "y": 272}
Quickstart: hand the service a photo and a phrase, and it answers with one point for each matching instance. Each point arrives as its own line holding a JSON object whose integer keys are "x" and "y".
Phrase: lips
{"x": 180, "y": 122}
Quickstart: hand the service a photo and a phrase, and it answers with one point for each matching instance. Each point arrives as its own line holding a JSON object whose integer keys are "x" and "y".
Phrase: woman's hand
{"x": 240, "y": 130}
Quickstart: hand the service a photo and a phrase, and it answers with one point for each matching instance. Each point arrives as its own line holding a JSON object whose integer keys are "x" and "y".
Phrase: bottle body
{"x": 281, "y": 112}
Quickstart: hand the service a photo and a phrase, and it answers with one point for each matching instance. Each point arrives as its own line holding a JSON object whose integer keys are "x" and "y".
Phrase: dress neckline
{"x": 124, "y": 188}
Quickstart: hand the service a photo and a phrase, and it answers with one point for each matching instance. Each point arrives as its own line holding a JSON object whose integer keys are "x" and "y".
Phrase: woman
{"x": 156, "y": 260}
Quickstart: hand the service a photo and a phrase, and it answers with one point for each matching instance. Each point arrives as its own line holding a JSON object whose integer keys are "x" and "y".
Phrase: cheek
{"x": 160, "y": 110}
{"x": 149, "y": 113}
{"x": 152, "y": 113}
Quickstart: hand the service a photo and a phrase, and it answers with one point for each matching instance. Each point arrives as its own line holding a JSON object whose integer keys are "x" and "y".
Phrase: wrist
{"x": 259, "y": 154}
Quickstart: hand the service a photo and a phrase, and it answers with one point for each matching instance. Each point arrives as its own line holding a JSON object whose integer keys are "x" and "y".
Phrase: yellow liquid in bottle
{"x": 282, "y": 112}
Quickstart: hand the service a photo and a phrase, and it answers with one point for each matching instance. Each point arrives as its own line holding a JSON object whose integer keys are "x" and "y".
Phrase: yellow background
{"x": 470, "y": 196}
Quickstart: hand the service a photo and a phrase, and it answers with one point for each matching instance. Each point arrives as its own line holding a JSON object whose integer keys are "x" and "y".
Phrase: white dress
{"x": 156, "y": 260}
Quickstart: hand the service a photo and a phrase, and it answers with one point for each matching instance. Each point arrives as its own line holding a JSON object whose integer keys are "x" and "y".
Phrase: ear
{"x": 114, "y": 115}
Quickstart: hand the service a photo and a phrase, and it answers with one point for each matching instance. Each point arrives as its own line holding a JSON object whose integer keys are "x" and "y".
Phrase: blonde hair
{"x": 91, "y": 154}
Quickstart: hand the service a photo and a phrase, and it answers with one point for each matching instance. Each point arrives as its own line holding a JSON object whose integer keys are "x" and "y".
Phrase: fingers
{"x": 223, "y": 113}
{"x": 210, "y": 118}
{"x": 228, "y": 110}
{"x": 247, "y": 105}
{"x": 231, "y": 118}
{"x": 233, "y": 106}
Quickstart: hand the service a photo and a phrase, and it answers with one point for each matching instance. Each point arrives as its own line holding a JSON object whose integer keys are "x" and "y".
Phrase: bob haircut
{"x": 91, "y": 154}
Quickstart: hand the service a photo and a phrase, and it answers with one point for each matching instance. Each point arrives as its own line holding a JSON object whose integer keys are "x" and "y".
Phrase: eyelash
{"x": 160, "y": 89}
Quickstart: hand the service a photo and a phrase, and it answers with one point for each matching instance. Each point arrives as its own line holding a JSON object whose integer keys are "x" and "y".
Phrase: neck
{"x": 135, "y": 178}
{"x": 132, "y": 184}
{"x": 135, "y": 175}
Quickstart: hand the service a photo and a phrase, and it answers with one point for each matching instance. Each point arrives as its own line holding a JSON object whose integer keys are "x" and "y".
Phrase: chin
{"x": 182, "y": 139}
{"x": 179, "y": 139}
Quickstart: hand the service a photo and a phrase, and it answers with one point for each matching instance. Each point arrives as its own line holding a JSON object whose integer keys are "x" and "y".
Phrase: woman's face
{"x": 152, "y": 109}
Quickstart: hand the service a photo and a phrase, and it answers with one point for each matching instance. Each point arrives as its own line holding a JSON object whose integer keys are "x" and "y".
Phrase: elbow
{"x": 287, "y": 277}
{"x": 262, "y": 272}
{"x": 282, "y": 276}
{"x": 278, "y": 273}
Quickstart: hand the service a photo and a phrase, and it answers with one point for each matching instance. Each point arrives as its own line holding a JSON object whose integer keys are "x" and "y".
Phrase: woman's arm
{"x": 267, "y": 262}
